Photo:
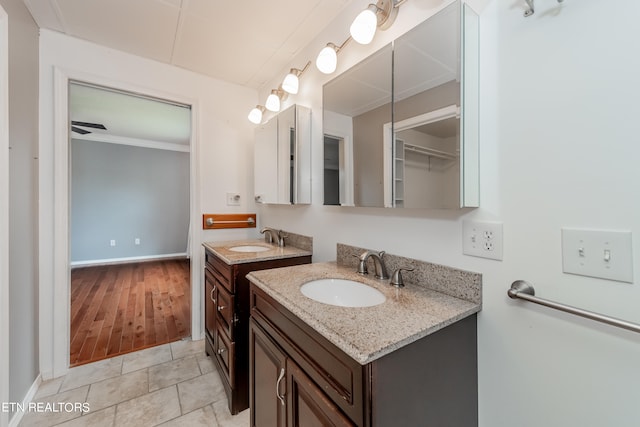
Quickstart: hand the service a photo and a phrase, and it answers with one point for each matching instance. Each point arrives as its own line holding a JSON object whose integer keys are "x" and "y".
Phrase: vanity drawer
{"x": 338, "y": 375}
{"x": 222, "y": 271}
{"x": 225, "y": 356}
{"x": 225, "y": 308}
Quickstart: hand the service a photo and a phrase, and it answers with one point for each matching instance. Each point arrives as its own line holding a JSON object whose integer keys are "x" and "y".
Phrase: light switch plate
{"x": 602, "y": 254}
{"x": 482, "y": 239}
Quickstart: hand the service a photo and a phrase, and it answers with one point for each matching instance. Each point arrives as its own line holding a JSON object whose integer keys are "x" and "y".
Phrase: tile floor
{"x": 170, "y": 385}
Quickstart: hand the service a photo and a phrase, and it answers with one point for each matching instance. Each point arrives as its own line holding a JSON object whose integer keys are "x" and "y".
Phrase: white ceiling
{"x": 129, "y": 118}
{"x": 245, "y": 42}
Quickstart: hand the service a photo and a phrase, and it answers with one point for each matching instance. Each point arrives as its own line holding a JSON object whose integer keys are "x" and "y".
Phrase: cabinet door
{"x": 308, "y": 406}
{"x": 210, "y": 305}
{"x": 266, "y": 163}
{"x": 267, "y": 382}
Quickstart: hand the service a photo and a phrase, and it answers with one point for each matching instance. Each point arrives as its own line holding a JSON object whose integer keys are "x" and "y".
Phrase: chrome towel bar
{"x": 523, "y": 290}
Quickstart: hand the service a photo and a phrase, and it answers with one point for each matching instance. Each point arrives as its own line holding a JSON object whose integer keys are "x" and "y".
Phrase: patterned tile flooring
{"x": 170, "y": 385}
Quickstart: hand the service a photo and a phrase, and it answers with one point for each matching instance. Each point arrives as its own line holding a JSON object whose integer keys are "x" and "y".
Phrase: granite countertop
{"x": 221, "y": 249}
{"x": 365, "y": 333}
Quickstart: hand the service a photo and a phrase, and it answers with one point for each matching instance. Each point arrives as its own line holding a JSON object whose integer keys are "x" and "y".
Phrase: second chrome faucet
{"x": 378, "y": 264}
{"x": 381, "y": 268}
{"x": 273, "y": 235}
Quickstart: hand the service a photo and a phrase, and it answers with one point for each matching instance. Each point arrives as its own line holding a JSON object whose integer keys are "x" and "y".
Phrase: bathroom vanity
{"x": 411, "y": 360}
{"x": 226, "y": 310}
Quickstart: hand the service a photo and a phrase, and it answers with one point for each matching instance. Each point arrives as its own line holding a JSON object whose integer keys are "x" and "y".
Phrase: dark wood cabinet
{"x": 227, "y": 320}
{"x": 430, "y": 382}
{"x": 267, "y": 370}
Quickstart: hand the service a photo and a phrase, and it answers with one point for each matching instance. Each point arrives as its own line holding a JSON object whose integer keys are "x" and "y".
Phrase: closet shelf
{"x": 429, "y": 152}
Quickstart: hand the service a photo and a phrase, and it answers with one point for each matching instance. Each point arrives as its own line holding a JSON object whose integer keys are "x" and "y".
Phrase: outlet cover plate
{"x": 603, "y": 254}
{"x": 233, "y": 199}
{"x": 482, "y": 239}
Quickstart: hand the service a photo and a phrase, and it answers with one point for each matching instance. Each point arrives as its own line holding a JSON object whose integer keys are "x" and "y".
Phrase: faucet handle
{"x": 396, "y": 277}
{"x": 362, "y": 264}
{"x": 281, "y": 237}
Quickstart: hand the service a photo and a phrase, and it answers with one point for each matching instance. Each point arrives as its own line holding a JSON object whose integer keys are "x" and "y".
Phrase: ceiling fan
{"x": 77, "y": 127}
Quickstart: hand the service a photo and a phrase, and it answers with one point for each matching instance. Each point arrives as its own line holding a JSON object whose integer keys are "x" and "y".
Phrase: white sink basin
{"x": 342, "y": 292}
{"x": 249, "y": 248}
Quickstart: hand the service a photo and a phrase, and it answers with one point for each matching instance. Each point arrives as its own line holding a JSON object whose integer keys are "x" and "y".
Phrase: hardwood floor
{"x": 116, "y": 309}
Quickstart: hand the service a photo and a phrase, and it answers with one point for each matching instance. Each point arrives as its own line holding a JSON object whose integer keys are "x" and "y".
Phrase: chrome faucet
{"x": 271, "y": 236}
{"x": 378, "y": 263}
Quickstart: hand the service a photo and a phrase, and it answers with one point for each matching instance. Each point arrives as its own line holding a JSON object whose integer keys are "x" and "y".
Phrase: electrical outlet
{"x": 482, "y": 239}
{"x": 233, "y": 199}
{"x": 112, "y": 242}
{"x": 137, "y": 241}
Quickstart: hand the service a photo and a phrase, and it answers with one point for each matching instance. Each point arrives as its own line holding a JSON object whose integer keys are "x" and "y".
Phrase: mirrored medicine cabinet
{"x": 401, "y": 127}
{"x": 282, "y": 158}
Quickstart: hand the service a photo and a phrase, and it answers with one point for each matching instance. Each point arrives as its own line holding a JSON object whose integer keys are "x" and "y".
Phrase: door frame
{"x": 55, "y": 303}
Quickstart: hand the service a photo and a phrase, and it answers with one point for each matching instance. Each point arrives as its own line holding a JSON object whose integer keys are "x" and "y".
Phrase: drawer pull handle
{"x": 221, "y": 307}
{"x": 280, "y": 397}
{"x": 221, "y": 350}
{"x": 211, "y": 295}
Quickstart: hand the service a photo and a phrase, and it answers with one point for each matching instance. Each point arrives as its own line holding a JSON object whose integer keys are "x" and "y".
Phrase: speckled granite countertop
{"x": 366, "y": 333}
{"x": 221, "y": 249}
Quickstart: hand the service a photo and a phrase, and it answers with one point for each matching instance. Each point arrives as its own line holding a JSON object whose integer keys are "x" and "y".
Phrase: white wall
{"x": 122, "y": 193}
{"x": 558, "y": 148}
{"x": 22, "y": 232}
{"x": 222, "y": 161}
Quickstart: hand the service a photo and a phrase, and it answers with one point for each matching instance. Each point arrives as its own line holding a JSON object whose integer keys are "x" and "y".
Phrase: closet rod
{"x": 523, "y": 290}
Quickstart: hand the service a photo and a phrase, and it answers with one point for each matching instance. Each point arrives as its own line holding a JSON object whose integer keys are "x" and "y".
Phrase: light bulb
{"x": 273, "y": 101}
{"x": 327, "y": 59}
{"x": 255, "y": 115}
{"x": 364, "y": 26}
{"x": 291, "y": 83}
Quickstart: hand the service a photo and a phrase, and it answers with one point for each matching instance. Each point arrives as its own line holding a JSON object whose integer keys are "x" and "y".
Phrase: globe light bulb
{"x": 327, "y": 59}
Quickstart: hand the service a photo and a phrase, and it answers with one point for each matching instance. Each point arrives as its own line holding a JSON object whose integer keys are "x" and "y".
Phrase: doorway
{"x": 129, "y": 211}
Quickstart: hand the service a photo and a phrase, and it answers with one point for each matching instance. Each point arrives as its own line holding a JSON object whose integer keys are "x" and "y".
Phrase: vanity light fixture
{"x": 255, "y": 115}
{"x": 273, "y": 100}
{"x": 327, "y": 59}
{"x": 380, "y": 15}
{"x": 291, "y": 82}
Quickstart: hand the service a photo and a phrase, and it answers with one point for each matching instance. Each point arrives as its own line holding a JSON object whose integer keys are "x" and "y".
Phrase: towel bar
{"x": 523, "y": 290}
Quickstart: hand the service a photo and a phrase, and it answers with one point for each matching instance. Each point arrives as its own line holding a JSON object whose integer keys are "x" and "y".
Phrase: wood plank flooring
{"x": 116, "y": 309}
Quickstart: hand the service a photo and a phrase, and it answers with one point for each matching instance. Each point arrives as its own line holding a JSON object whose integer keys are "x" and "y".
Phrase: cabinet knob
{"x": 221, "y": 350}
{"x": 221, "y": 307}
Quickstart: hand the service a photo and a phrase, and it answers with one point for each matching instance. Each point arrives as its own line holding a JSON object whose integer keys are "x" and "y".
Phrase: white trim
{"x": 28, "y": 398}
{"x": 4, "y": 212}
{"x": 54, "y": 303}
{"x": 135, "y": 142}
{"x": 96, "y": 262}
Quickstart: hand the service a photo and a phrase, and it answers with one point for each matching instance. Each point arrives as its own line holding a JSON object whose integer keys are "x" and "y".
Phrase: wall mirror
{"x": 427, "y": 155}
{"x": 282, "y": 158}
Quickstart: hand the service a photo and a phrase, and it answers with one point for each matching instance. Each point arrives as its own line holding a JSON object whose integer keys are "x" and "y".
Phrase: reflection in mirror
{"x": 433, "y": 73}
{"x": 423, "y": 160}
{"x": 356, "y": 106}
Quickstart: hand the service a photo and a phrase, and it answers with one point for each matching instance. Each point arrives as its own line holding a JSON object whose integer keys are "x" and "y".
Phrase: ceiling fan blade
{"x": 89, "y": 125}
{"x": 79, "y": 130}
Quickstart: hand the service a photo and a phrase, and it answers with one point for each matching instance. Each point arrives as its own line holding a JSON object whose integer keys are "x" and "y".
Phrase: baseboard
{"x": 98, "y": 262}
{"x": 28, "y": 398}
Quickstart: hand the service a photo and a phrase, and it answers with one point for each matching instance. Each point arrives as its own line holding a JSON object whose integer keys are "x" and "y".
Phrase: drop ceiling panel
{"x": 142, "y": 27}
{"x": 245, "y": 42}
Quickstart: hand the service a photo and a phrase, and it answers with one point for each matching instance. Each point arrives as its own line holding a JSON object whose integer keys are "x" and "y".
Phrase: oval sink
{"x": 249, "y": 248}
{"x": 342, "y": 292}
